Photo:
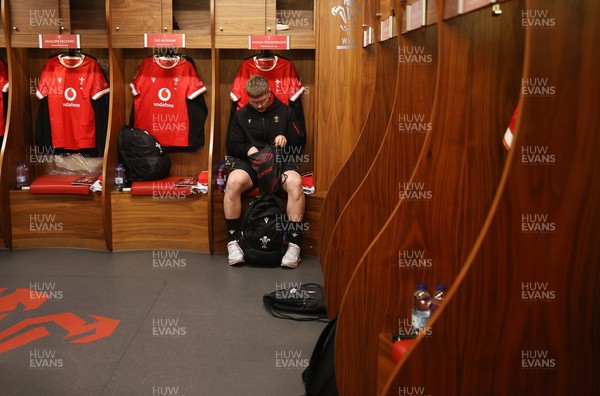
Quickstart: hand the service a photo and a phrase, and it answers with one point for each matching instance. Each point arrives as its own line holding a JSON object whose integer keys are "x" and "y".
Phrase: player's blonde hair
{"x": 257, "y": 86}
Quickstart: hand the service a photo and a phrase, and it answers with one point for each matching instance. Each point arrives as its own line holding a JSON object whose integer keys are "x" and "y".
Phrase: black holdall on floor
{"x": 261, "y": 238}
{"x": 302, "y": 303}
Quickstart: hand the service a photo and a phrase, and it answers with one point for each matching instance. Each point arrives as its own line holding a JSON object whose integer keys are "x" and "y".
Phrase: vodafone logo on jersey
{"x": 70, "y": 95}
{"x": 164, "y": 94}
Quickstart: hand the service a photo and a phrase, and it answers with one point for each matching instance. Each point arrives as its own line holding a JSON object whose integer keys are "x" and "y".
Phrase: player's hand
{"x": 252, "y": 151}
{"x": 280, "y": 141}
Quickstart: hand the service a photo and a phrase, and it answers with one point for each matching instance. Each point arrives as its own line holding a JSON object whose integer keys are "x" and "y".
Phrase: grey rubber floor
{"x": 188, "y": 325}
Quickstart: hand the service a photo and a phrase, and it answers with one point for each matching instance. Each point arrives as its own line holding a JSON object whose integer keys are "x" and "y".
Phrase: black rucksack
{"x": 319, "y": 376}
{"x": 142, "y": 155}
{"x": 261, "y": 238}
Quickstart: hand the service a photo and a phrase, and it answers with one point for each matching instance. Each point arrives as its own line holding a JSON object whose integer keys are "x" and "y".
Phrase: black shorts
{"x": 247, "y": 167}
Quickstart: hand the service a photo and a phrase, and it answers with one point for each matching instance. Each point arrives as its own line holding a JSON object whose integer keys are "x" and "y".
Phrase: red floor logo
{"x": 14, "y": 336}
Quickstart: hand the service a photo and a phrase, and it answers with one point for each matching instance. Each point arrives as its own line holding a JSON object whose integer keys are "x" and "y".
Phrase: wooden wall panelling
{"x": 346, "y": 85}
{"x": 447, "y": 197}
{"x": 346, "y": 182}
{"x": 376, "y": 197}
{"x": 229, "y": 61}
{"x": 522, "y": 317}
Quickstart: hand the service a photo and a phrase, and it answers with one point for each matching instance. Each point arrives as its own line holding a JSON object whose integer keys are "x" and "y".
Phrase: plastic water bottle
{"x": 420, "y": 307}
{"x": 22, "y": 174}
{"x": 438, "y": 297}
{"x": 221, "y": 176}
{"x": 120, "y": 176}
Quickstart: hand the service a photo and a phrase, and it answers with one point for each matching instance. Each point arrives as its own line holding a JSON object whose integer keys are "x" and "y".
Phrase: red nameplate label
{"x": 269, "y": 42}
{"x": 164, "y": 40}
{"x": 59, "y": 41}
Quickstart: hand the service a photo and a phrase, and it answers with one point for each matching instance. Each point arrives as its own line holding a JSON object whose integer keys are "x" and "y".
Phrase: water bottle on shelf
{"x": 438, "y": 297}
{"x": 420, "y": 307}
{"x": 120, "y": 176}
{"x": 22, "y": 174}
{"x": 221, "y": 176}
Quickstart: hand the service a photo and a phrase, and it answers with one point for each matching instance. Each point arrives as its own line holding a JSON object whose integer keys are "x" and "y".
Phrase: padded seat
{"x": 58, "y": 184}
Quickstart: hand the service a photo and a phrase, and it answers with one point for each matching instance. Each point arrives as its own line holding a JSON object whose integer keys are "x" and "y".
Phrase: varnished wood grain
{"x": 136, "y": 17}
{"x": 486, "y": 325}
{"x": 147, "y": 222}
{"x": 56, "y": 220}
{"x": 39, "y": 16}
{"x": 346, "y": 181}
{"x": 346, "y": 88}
{"x": 480, "y": 64}
{"x": 376, "y": 197}
{"x": 240, "y": 17}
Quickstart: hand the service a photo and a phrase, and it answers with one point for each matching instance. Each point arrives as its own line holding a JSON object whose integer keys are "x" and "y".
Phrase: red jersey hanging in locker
{"x": 70, "y": 84}
{"x": 160, "y": 89}
{"x": 4, "y": 87}
{"x": 283, "y": 79}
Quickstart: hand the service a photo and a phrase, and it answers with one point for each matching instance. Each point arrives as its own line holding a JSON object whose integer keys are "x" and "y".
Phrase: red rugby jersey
{"x": 70, "y": 84}
{"x": 160, "y": 89}
{"x": 283, "y": 79}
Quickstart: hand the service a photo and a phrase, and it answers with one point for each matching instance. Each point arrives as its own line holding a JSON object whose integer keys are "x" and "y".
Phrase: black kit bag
{"x": 266, "y": 164}
{"x": 319, "y": 376}
{"x": 261, "y": 238}
{"x": 302, "y": 303}
{"x": 142, "y": 155}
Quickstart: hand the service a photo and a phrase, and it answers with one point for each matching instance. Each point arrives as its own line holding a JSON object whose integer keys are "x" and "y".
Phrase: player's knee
{"x": 236, "y": 183}
{"x": 293, "y": 183}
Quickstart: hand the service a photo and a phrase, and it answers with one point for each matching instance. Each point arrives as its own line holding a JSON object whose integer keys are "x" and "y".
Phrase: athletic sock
{"x": 294, "y": 232}
{"x": 232, "y": 226}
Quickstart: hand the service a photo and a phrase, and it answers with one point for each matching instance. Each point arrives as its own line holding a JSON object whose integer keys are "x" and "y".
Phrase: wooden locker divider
{"x": 346, "y": 79}
{"x": 5, "y": 169}
{"x": 65, "y": 225}
{"x": 378, "y": 194}
{"x": 446, "y": 199}
{"x": 156, "y": 222}
{"x": 346, "y": 182}
{"x": 522, "y": 317}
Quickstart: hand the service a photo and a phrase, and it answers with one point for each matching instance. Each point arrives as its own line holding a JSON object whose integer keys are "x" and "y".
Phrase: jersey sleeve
{"x": 138, "y": 80}
{"x": 100, "y": 85}
{"x": 294, "y": 86}
{"x": 3, "y": 77}
{"x": 44, "y": 84}
{"x": 195, "y": 85}
{"x": 238, "y": 87}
